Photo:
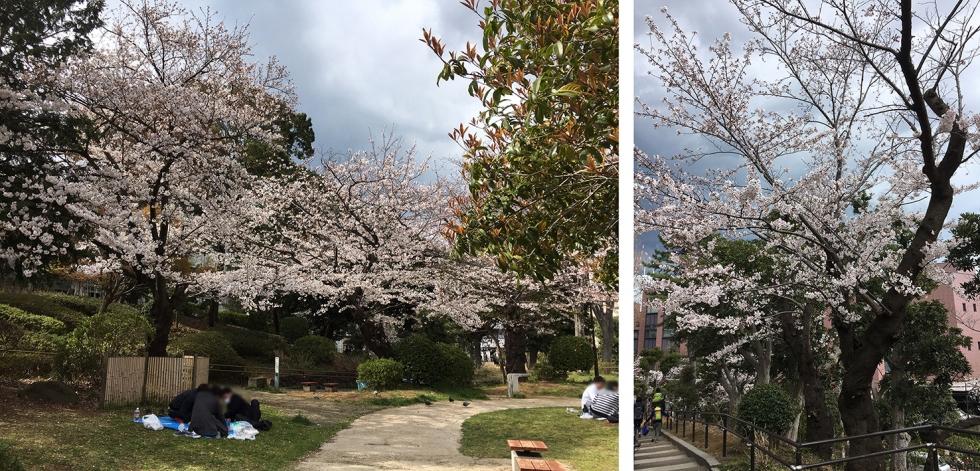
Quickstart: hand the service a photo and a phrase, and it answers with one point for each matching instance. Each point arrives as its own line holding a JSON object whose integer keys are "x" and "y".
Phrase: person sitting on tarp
{"x": 237, "y": 409}
{"x": 181, "y": 406}
{"x": 207, "y": 418}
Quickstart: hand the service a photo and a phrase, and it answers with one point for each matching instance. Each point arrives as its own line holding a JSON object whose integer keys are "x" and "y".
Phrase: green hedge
{"x": 381, "y": 373}
{"x": 571, "y": 354}
{"x": 544, "y": 371}
{"x": 30, "y": 322}
{"x": 209, "y": 344}
{"x": 233, "y": 318}
{"x": 63, "y": 307}
{"x": 319, "y": 350}
{"x": 113, "y": 333}
{"x": 431, "y": 363}
{"x": 253, "y": 343}
{"x": 292, "y": 328}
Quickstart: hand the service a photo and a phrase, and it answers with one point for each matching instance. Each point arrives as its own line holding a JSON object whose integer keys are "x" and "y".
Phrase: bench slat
{"x": 527, "y": 445}
{"x": 536, "y": 464}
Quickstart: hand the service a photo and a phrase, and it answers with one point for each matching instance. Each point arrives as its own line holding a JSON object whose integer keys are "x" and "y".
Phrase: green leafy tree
{"x": 36, "y": 36}
{"x": 541, "y": 156}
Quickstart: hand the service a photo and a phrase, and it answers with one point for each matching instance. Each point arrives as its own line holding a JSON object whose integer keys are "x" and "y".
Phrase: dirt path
{"x": 417, "y": 438}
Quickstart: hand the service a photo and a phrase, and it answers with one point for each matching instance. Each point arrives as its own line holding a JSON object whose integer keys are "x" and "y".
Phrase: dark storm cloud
{"x": 359, "y": 68}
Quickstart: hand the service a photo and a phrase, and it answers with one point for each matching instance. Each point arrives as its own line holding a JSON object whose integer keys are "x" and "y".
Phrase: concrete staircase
{"x": 662, "y": 456}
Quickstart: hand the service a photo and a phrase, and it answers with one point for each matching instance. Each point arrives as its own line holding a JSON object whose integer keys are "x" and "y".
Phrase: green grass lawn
{"x": 73, "y": 439}
{"x": 587, "y": 445}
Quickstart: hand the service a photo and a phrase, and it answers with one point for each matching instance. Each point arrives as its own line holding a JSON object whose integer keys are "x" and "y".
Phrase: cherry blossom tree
{"x": 839, "y": 158}
{"x": 363, "y": 232}
{"x": 34, "y": 126}
{"x": 170, "y": 97}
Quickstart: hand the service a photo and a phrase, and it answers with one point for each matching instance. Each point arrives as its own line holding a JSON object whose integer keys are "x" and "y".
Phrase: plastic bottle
{"x": 136, "y": 415}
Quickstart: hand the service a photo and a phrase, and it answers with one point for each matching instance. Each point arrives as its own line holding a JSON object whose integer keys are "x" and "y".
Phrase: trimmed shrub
{"x": 769, "y": 407}
{"x": 293, "y": 328}
{"x": 209, "y": 344}
{"x": 252, "y": 343}
{"x": 457, "y": 369}
{"x": 320, "y": 350}
{"x": 544, "y": 371}
{"x": 434, "y": 364}
{"x": 8, "y": 461}
{"x": 114, "y": 332}
{"x": 64, "y": 307}
{"x": 25, "y": 365}
{"x": 27, "y": 321}
{"x": 487, "y": 375}
{"x": 381, "y": 373}
{"x": 233, "y": 318}
{"x": 570, "y": 354}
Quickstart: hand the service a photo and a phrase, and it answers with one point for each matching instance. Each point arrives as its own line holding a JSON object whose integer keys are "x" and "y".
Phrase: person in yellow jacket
{"x": 657, "y": 418}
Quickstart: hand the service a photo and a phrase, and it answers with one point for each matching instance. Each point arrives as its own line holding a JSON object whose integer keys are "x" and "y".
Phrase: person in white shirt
{"x": 589, "y": 395}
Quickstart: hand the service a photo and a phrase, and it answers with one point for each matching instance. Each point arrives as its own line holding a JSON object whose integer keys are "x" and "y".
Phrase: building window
{"x": 964, "y": 307}
{"x": 974, "y": 307}
{"x": 969, "y": 347}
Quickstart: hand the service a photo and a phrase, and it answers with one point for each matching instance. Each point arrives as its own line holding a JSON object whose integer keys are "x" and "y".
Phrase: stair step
{"x": 640, "y": 455}
{"x": 672, "y": 467}
{"x": 677, "y": 459}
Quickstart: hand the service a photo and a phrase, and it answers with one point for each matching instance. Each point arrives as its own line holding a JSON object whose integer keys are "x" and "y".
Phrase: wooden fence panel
{"x": 165, "y": 377}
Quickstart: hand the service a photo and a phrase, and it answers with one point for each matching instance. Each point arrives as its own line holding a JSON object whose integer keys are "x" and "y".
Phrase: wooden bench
{"x": 538, "y": 464}
{"x": 526, "y": 453}
{"x": 332, "y": 387}
{"x": 310, "y": 386}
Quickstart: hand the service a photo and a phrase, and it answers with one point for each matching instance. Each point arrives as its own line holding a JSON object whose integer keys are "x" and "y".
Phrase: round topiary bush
{"x": 570, "y": 354}
{"x": 254, "y": 343}
{"x": 209, "y": 344}
{"x": 319, "y": 350}
{"x": 769, "y": 407}
{"x": 293, "y": 328}
{"x": 381, "y": 373}
{"x": 421, "y": 358}
{"x": 457, "y": 367}
{"x": 432, "y": 363}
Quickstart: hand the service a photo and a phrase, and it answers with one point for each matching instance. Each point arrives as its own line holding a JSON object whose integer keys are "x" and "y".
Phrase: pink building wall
{"x": 964, "y": 312}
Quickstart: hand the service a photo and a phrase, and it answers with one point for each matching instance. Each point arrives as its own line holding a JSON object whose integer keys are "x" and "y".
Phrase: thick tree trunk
{"x": 607, "y": 331}
{"x": 212, "y": 312}
{"x": 162, "y": 314}
{"x": 799, "y": 339}
{"x": 900, "y": 440}
{"x": 794, "y": 429}
{"x": 515, "y": 349}
{"x": 275, "y": 321}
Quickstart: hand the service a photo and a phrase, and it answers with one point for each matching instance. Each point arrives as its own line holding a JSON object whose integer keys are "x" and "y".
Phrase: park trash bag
{"x": 242, "y": 430}
{"x": 152, "y": 422}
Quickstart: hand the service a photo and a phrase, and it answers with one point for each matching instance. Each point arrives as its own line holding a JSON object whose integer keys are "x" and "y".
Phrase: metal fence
{"x": 131, "y": 380}
{"x": 766, "y": 450}
{"x": 283, "y": 376}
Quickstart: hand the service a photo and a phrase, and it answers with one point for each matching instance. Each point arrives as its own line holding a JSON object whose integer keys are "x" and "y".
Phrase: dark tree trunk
{"x": 515, "y": 349}
{"x": 275, "y": 321}
{"x": 374, "y": 337}
{"x": 162, "y": 314}
{"x": 799, "y": 339}
{"x": 212, "y": 312}
{"x": 532, "y": 358}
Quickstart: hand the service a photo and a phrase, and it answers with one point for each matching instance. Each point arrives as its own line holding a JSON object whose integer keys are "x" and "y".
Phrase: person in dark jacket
{"x": 181, "y": 406}
{"x": 207, "y": 418}
{"x": 238, "y": 409}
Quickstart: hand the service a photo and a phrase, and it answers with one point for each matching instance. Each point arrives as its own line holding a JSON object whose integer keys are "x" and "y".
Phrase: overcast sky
{"x": 711, "y": 19}
{"x": 359, "y": 68}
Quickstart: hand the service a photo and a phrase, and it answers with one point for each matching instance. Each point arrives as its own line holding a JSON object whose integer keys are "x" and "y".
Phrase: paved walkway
{"x": 662, "y": 455}
{"x": 416, "y": 438}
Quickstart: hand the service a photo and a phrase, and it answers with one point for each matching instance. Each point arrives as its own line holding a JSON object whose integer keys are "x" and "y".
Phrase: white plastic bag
{"x": 152, "y": 422}
{"x": 242, "y": 430}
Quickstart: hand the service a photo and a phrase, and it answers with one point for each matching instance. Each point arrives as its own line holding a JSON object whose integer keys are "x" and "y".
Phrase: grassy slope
{"x": 588, "y": 445}
{"x": 71, "y": 439}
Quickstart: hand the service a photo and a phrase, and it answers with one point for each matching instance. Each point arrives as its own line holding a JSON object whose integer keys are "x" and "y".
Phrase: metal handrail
{"x": 751, "y": 443}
